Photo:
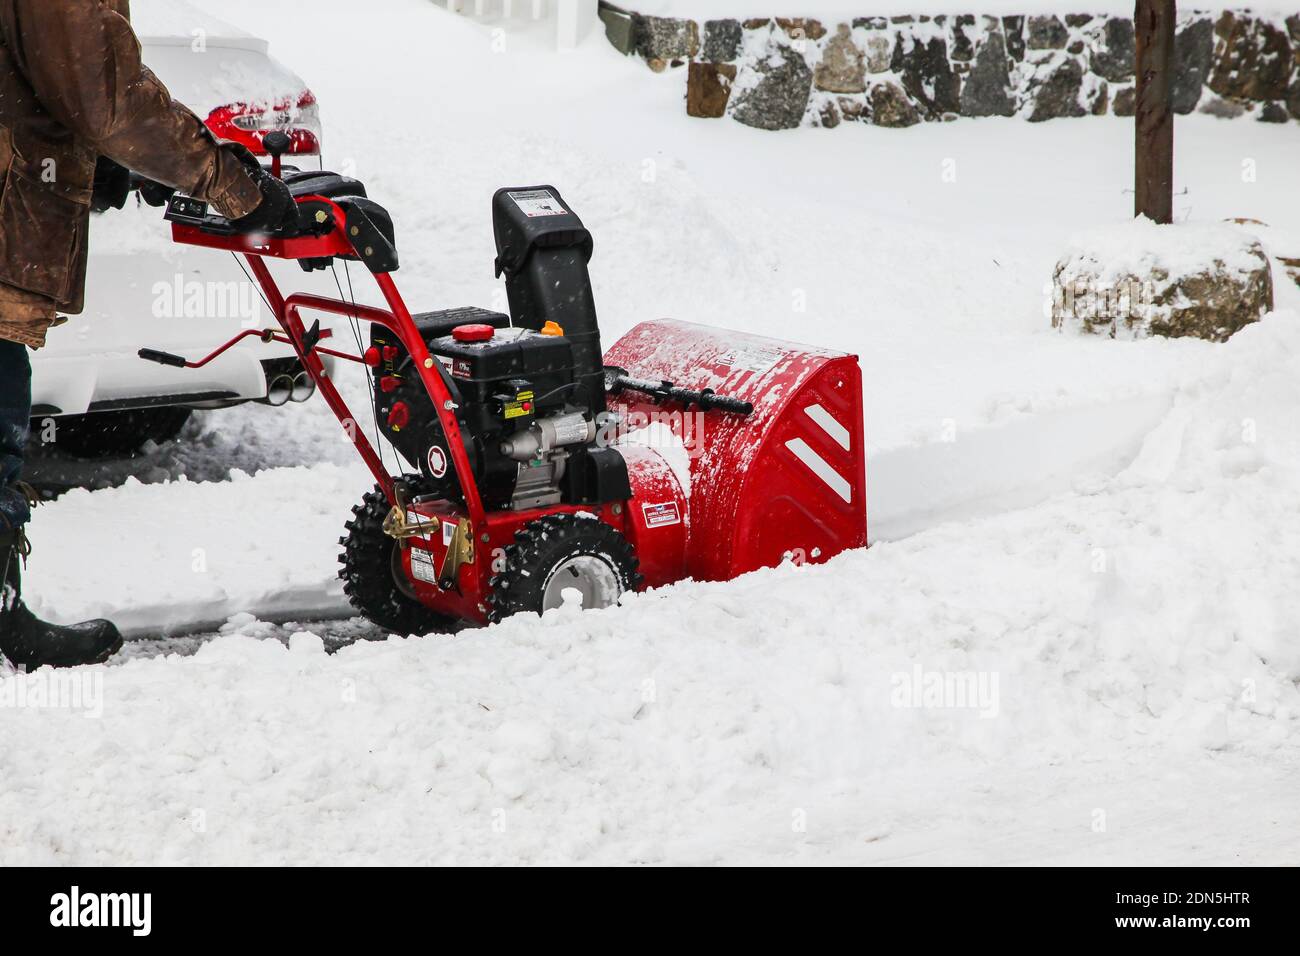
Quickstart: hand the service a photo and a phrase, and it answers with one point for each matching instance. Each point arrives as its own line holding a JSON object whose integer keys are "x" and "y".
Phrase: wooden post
{"x": 1153, "y": 25}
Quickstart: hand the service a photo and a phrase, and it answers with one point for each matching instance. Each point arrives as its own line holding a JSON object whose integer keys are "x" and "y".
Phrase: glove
{"x": 155, "y": 194}
{"x": 277, "y": 212}
{"x": 112, "y": 185}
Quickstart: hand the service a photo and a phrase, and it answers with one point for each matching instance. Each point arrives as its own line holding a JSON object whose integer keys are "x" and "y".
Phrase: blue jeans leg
{"x": 15, "y": 419}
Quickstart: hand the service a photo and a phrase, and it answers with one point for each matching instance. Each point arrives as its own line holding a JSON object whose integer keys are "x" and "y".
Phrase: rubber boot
{"x": 29, "y": 642}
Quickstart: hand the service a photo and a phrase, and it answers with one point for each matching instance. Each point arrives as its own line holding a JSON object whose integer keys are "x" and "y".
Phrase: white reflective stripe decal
{"x": 827, "y": 422}
{"x": 820, "y": 467}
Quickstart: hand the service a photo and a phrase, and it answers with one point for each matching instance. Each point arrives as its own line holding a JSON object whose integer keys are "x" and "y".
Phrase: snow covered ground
{"x": 1098, "y": 539}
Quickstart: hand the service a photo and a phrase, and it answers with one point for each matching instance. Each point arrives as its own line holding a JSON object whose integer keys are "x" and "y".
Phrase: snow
{"x": 1106, "y": 533}
{"x": 1140, "y": 247}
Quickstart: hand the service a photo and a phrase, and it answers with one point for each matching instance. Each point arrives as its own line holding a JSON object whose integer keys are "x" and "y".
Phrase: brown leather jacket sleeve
{"x": 82, "y": 58}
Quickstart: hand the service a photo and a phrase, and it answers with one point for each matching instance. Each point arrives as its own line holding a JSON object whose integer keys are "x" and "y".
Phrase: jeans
{"x": 15, "y": 419}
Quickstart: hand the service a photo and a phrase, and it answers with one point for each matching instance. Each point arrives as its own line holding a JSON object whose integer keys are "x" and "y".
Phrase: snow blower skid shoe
{"x": 538, "y": 470}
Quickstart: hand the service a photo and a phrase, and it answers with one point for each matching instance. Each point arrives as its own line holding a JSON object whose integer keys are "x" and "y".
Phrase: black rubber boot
{"x": 29, "y": 642}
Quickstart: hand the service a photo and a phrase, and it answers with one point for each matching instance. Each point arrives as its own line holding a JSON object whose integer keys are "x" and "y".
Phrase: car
{"x": 92, "y": 396}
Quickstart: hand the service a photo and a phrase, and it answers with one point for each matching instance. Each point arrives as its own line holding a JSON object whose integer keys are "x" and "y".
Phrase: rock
{"x": 1193, "y": 49}
{"x": 1077, "y": 19}
{"x": 1293, "y": 28}
{"x": 1075, "y": 48}
{"x": 665, "y": 38}
{"x": 880, "y": 52}
{"x": 1293, "y": 99}
{"x": 756, "y": 23}
{"x": 801, "y": 28}
{"x": 1254, "y": 62}
{"x": 1204, "y": 281}
{"x": 1113, "y": 50}
{"x": 708, "y": 88}
{"x": 842, "y": 68}
{"x": 1057, "y": 94}
{"x": 987, "y": 90}
{"x": 1098, "y": 98}
{"x": 722, "y": 40}
{"x": 774, "y": 93}
{"x": 871, "y": 23}
{"x": 1273, "y": 113}
{"x": 854, "y": 108}
{"x": 891, "y": 107}
{"x": 1047, "y": 33}
{"x": 1125, "y": 102}
{"x": 927, "y": 75}
{"x": 828, "y": 116}
{"x": 1223, "y": 109}
{"x": 962, "y": 49}
{"x": 1013, "y": 28}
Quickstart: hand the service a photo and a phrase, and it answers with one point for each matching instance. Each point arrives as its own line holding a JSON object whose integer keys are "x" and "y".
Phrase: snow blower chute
{"x": 534, "y": 467}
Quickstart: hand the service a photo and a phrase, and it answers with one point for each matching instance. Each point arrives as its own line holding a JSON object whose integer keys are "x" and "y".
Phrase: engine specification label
{"x": 422, "y": 566}
{"x": 538, "y": 202}
{"x": 661, "y": 515}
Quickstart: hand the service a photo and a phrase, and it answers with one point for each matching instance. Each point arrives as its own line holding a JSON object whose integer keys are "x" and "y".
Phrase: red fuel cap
{"x": 472, "y": 333}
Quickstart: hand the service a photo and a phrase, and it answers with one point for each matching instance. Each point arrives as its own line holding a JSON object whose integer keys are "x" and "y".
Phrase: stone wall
{"x": 775, "y": 73}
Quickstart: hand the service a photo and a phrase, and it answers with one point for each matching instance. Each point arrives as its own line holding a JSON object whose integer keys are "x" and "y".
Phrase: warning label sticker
{"x": 422, "y": 566}
{"x": 752, "y": 358}
{"x": 538, "y": 202}
{"x": 661, "y": 515}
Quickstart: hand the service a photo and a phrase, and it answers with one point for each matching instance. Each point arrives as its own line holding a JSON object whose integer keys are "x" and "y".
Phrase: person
{"x": 78, "y": 109}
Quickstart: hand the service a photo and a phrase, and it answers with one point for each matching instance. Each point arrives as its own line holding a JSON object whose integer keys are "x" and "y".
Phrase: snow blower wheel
{"x": 372, "y": 571}
{"x": 557, "y": 553}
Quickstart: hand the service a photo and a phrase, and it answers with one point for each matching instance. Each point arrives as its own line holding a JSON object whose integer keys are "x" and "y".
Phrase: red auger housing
{"x": 540, "y": 470}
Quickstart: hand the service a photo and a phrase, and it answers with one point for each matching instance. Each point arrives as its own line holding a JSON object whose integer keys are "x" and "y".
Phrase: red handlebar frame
{"x": 397, "y": 319}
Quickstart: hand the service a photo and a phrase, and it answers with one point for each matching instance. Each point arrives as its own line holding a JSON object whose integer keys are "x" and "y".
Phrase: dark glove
{"x": 112, "y": 185}
{"x": 277, "y": 210}
{"x": 155, "y": 194}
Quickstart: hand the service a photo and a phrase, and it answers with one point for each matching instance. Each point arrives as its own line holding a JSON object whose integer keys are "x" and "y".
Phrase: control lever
{"x": 276, "y": 143}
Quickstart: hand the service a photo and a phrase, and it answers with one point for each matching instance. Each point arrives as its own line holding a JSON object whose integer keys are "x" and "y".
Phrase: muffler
{"x": 279, "y": 390}
{"x": 304, "y": 387}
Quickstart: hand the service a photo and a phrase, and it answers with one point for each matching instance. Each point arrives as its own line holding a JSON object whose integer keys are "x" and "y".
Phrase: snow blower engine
{"x": 533, "y": 468}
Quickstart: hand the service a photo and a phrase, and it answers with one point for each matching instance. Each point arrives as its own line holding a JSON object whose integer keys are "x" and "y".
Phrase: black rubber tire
{"x": 543, "y": 545}
{"x": 369, "y": 573}
{"x": 113, "y": 434}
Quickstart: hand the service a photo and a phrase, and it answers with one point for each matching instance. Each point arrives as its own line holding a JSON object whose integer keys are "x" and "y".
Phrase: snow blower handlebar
{"x": 335, "y": 220}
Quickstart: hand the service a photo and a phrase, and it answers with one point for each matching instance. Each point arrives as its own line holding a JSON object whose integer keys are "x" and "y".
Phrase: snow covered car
{"x": 143, "y": 291}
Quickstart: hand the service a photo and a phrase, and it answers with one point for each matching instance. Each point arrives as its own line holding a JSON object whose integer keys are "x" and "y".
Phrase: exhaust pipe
{"x": 279, "y": 390}
{"x": 304, "y": 387}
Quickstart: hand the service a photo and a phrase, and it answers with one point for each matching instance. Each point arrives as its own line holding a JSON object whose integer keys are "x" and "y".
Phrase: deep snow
{"x": 1105, "y": 533}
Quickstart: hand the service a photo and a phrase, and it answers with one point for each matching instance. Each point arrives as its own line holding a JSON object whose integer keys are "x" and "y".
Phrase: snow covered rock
{"x": 1047, "y": 33}
{"x": 1114, "y": 50}
{"x": 921, "y": 60}
{"x": 721, "y": 41}
{"x": 663, "y": 39}
{"x": 843, "y": 66}
{"x": 1056, "y": 90}
{"x": 891, "y": 107}
{"x": 987, "y": 90}
{"x": 1253, "y": 59}
{"x": 1193, "y": 54}
{"x": 1141, "y": 279}
{"x": 772, "y": 92}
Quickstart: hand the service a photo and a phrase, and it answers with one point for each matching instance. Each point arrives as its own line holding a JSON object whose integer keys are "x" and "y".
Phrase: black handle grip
{"x": 162, "y": 358}
{"x": 707, "y": 399}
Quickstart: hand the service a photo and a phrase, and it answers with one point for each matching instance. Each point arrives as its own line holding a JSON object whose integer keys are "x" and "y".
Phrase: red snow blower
{"x": 534, "y": 468}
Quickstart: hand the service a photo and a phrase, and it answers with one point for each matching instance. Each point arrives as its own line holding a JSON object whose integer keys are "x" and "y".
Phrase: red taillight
{"x": 247, "y": 123}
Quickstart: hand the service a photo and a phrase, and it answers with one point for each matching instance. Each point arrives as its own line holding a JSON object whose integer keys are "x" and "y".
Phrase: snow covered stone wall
{"x": 779, "y": 73}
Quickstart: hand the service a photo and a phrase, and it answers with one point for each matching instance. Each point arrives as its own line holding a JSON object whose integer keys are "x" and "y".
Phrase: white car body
{"x": 142, "y": 290}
